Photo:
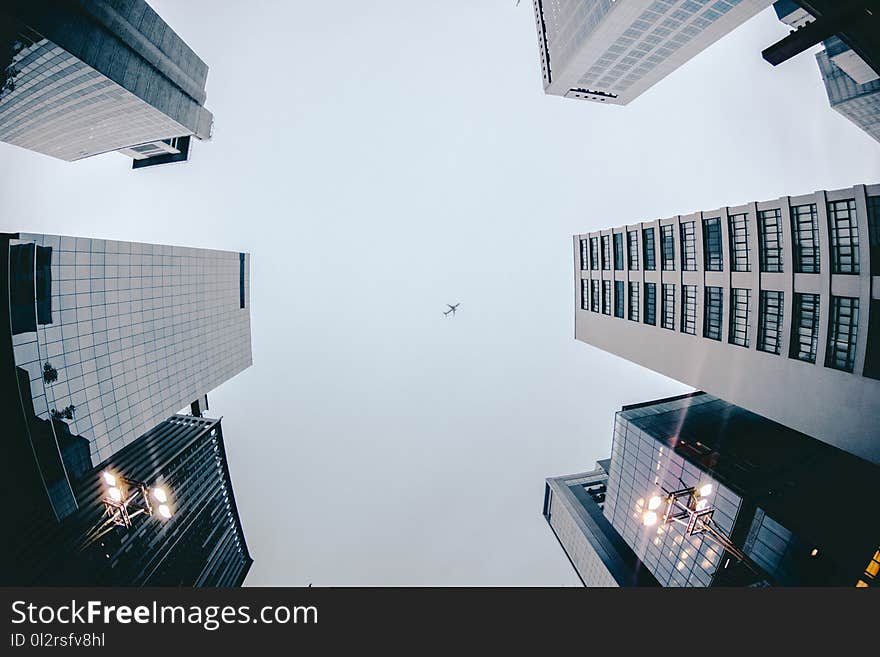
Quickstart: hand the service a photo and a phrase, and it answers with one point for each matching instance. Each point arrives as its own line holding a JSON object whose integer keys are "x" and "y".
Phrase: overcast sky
{"x": 379, "y": 160}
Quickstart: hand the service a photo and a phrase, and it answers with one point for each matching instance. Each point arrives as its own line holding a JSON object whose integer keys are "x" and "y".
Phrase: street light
{"x": 690, "y": 508}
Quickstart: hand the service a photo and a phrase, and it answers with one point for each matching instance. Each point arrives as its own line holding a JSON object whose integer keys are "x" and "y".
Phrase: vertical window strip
{"x": 712, "y": 255}
{"x": 714, "y": 298}
{"x": 688, "y": 246}
{"x": 649, "y": 248}
{"x": 770, "y": 244}
{"x": 805, "y": 327}
{"x": 594, "y": 295}
{"x": 770, "y": 321}
{"x": 651, "y": 304}
{"x": 594, "y": 253}
{"x": 842, "y": 333}
{"x": 585, "y": 256}
{"x": 667, "y": 248}
{"x": 606, "y": 252}
{"x": 689, "y": 309}
{"x": 844, "y": 232}
{"x": 874, "y": 233}
{"x": 805, "y": 234}
{"x": 618, "y": 251}
{"x": 619, "y": 300}
{"x": 585, "y": 294}
{"x": 739, "y": 242}
{"x": 634, "y": 301}
{"x": 667, "y": 317}
{"x": 740, "y": 312}
{"x": 606, "y": 297}
{"x": 632, "y": 238}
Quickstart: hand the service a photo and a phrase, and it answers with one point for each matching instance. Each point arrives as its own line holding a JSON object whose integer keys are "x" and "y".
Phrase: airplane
{"x": 452, "y": 309}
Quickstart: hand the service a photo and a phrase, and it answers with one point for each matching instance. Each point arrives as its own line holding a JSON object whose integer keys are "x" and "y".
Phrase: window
{"x": 585, "y": 256}
{"x": 634, "y": 301}
{"x": 740, "y": 311}
{"x": 689, "y": 310}
{"x": 632, "y": 240}
{"x": 606, "y": 297}
{"x": 874, "y": 233}
{"x": 594, "y": 295}
{"x": 713, "y": 259}
{"x": 770, "y": 244}
{"x": 739, "y": 242}
{"x": 872, "y": 356}
{"x": 842, "y": 333}
{"x": 594, "y": 253}
{"x": 714, "y": 297}
{"x": 688, "y": 247}
{"x": 22, "y": 309}
{"x": 585, "y": 294}
{"x": 651, "y": 304}
{"x": 667, "y": 248}
{"x": 619, "y": 300}
{"x": 770, "y": 321}
{"x": 240, "y": 280}
{"x": 844, "y": 233}
{"x": 606, "y": 252}
{"x": 805, "y": 327}
{"x": 618, "y": 251}
{"x": 649, "y": 248}
{"x": 805, "y": 234}
{"x": 44, "y": 284}
{"x": 667, "y": 317}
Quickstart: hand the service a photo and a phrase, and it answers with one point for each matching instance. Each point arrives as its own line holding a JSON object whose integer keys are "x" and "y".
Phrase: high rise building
{"x": 82, "y": 78}
{"x": 600, "y": 557}
{"x": 102, "y": 340}
{"x": 611, "y": 52}
{"x": 853, "y": 87}
{"x": 182, "y": 464}
{"x": 773, "y": 306}
{"x": 792, "y": 504}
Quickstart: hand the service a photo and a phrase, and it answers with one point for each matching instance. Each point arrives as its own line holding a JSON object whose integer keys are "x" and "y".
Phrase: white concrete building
{"x": 611, "y": 52}
{"x": 773, "y": 306}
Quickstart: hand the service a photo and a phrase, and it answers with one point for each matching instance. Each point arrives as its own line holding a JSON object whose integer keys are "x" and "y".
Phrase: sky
{"x": 378, "y": 161}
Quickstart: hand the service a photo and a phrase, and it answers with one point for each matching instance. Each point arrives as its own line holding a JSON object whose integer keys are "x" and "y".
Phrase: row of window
{"x": 843, "y": 232}
{"x": 627, "y": 300}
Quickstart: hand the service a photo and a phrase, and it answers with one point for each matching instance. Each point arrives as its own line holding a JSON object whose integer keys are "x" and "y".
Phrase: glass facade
{"x": 805, "y": 233}
{"x": 770, "y": 321}
{"x": 844, "y": 232}
{"x": 739, "y": 242}
{"x": 689, "y": 310}
{"x": 770, "y": 246}
{"x": 843, "y": 330}
{"x": 740, "y": 316}
{"x": 137, "y": 332}
{"x": 712, "y": 312}
{"x": 805, "y": 327}
{"x": 649, "y": 249}
{"x": 688, "y": 246}
{"x": 667, "y": 248}
{"x": 712, "y": 256}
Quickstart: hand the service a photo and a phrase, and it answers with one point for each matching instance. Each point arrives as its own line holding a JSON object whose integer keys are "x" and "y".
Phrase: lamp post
{"x": 125, "y": 499}
{"x": 690, "y": 508}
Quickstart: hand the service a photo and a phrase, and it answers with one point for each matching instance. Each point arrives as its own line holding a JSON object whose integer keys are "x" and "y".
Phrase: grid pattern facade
{"x": 860, "y": 103}
{"x": 760, "y": 287}
{"x": 137, "y": 332}
{"x": 609, "y": 51}
{"x": 60, "y": 106}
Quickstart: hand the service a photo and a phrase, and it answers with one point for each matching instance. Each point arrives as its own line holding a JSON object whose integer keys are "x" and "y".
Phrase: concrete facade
{"x": 611, "y": 52}
{"x": 768, "y": 354}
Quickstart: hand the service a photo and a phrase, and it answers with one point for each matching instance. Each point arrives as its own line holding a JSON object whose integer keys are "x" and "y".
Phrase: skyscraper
{"x": 792, "y": 504}
{"x": 102, "y": 340}
{"x": 764, "y": 304}
{"x": 600, "y": 557}
{"x": 82, "y": 78}
{"x": 853, "y": 87}
{"x": 611, "y": 52}
{"x": 182, "y": 464}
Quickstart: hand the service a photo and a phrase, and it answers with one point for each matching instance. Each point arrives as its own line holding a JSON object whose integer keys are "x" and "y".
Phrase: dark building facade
{"x": 795, "y": 506}
{"x": 92, "y": 76}
{"x": 200, "y": 544}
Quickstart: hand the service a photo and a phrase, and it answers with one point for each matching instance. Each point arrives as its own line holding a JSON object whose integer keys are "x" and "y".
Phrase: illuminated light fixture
{"x": 705, "y": 490}
{"x": 115, "y": 494}
{"x": 702, "y": 504}
{"x": 815, "y": 552}
{"x": 160, "y": 495}
{"x": 650, "y": 518}
{"x": 164, "y": 511}
{"x": 654, "y": 503}
{"x": 109, "y": 479}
